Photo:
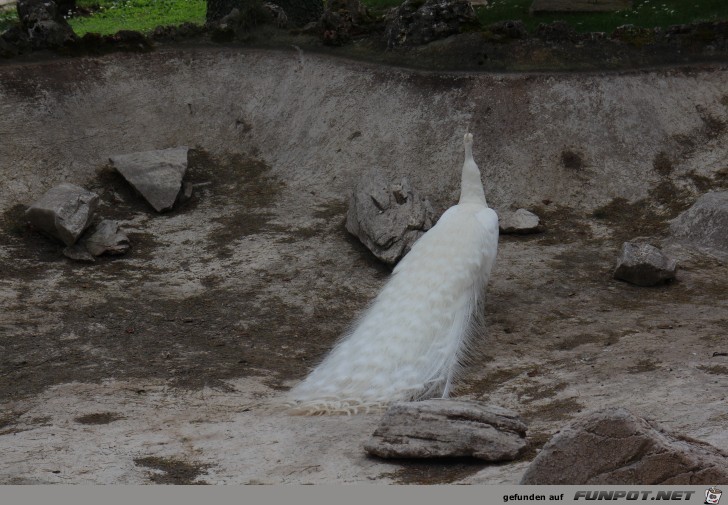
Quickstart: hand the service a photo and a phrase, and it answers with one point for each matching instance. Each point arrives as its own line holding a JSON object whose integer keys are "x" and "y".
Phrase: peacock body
{"x": 410, "y": 343}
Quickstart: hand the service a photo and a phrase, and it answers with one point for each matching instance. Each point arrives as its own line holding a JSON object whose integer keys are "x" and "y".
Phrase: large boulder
{"x": 448, "y": 428}
{"x": 387, "y": 218}
{"x": 613, "y": 446}
{"x": 416, "y": 22}
{"x": 644, "y": 265}
{"x": 44, "y": 23}
{"x": 705, "y": 224}
{"x": 64, "y": 212}
{"x": 342, "y": 20}
{"x": 157, "y": 175}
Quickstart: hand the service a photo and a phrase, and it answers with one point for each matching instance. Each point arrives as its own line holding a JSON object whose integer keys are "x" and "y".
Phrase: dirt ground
{"x": 166, "y": 365}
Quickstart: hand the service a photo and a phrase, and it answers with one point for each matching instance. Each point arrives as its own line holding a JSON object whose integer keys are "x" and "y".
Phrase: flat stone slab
{"x": 156, "y": 175}
{"x": 546, "y": 6}
{"x": 613, "y": 446}
{"x": 644, "y": 265}
{"x": 448, "y": 428}
{"x": 64, "y": 212}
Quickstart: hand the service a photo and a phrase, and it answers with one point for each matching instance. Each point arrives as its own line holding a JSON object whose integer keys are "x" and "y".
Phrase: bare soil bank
{"x": 164, "y": 365}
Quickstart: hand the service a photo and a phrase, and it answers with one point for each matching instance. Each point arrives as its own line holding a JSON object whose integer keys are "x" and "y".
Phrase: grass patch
{"x": 110, "y": 16}
{"x": 8, "y": 17}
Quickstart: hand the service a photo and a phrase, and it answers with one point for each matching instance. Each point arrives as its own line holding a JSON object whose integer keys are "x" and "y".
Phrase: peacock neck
{"x": 471, "y": 186}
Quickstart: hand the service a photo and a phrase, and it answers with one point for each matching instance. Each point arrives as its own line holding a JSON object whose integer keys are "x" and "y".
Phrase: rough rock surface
{"x": 64, "y": 212}
{"x": 44, "y": 23}
{"x": 557, "y": 31}
{"x": 157, "y": 175}
{"x": 448, "y": 428}
{"x": 387, "y": 218}
{"x": 342, "y": 20}
{"x": 78, "y": 252}
{"x": 705, "y": 224}
{"x": 613, "y": 446}
{"x": 519, "y": 222}
{"x": 415, "y": 23}
{"x": 644, "y": 265}
{"x": 107, "y": 238}
{"x": 508, "y": 29}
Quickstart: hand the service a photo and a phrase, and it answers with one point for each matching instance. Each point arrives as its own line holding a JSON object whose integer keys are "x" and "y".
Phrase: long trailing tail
{"x": 411, "y": 342}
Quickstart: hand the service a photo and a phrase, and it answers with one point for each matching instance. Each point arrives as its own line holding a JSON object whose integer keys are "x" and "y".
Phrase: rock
{"x": 180, "y": 32}
{"x": 448, "y": 428}
{"x": 644, "y": 265}
{"x": 44, "y": 23}
{"x": 342, "y": 20}
{"x": 78, "y": 252}
{"x": 520, "y": 222}
{"x": 509, "y": 29}
{"x": 705, "y": 224}
{"x": 416, "y": 23}
{"x": 335, "y": 28}
{"x": 157, "y": 175}
{"x": 613, "y": 446}
{"x": 301, "y": 12}
{"x": 106, "y": 238}
{"x": 558, "y": 31}
{"x": 129, "y": 40}
{"x": 64, "y": 212}
{"x": 387, "y": 218}
{"x": 280, "y": 19}
{"x": 635, "y": 35}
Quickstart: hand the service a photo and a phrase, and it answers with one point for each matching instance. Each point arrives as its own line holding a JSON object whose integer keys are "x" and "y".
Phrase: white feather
{"x": 411, "y": 341}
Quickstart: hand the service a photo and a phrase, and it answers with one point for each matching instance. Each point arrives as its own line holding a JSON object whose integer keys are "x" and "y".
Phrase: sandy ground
{"x": 168, "y": 364}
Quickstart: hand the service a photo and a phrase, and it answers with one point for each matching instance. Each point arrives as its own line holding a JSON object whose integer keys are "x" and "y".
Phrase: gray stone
{"x": 280, "y": 19}
{"x": 157, "y": 175}
{"x": 508, "y": 29}
{"x": 520, "y": 222}
{"x": 387, "y": 218}
{"x": 704, "y": 225}
{"x": 78, "y": 252}
{"x": 106, "y": 239}
{"x": 64, "y": 212}
{"x": 448, "y": 428}
{"x": 44, "y": 23}
{"x": 613, "y": 446}
{"x": 644, "y": 265}
{"x": 416, "y": 23}
{"x": 556, "y": 31}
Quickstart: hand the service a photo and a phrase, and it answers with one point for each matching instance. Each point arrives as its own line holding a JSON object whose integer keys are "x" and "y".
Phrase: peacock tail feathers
{"x": 412, "y": 341}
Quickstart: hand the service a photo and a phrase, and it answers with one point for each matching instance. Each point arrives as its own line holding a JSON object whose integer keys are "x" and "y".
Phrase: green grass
{"x": 110, "y": 16}
{"x": 139, "y": 15}
{"x": 8, "y": 17}
{"x": 645, "y": 13}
